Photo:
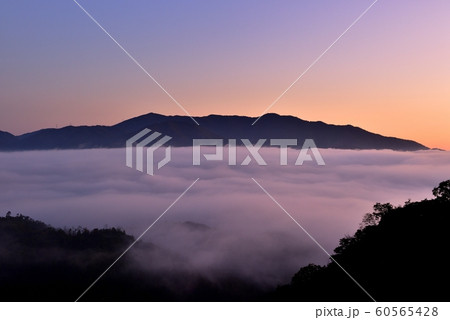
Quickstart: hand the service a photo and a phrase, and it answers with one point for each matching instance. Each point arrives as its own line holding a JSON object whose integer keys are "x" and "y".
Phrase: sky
{"x": 244, "y": 233}
{"x": 389, "y": 74}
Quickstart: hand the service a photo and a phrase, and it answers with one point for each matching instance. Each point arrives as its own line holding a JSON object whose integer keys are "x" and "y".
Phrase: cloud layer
{"x": 225, "y": 225}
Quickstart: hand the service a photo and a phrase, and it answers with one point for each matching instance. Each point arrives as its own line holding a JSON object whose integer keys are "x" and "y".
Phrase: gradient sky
{"x": 389, "y": 74}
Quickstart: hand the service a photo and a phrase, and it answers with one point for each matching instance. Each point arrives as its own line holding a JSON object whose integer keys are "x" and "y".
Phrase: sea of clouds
{"x": 225, "y": 224}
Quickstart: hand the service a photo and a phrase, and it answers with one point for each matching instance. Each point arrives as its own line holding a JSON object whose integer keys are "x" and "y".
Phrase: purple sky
{"x": 389, "y": 74}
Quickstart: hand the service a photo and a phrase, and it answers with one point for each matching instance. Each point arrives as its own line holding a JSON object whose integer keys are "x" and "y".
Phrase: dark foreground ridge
{"x": 398, "y": 254}
{"x": 182, "y": 129}
{"x": 41, "y": 263}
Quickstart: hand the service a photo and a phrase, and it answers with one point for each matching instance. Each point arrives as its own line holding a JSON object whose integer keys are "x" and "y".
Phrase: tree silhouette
{"x": 379, "y": 211}
{"x": 442, "y": 191}
{"x": 398, "y": 254}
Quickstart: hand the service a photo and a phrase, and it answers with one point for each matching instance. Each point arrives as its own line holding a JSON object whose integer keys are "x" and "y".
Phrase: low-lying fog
{"x": 225, "y": 224}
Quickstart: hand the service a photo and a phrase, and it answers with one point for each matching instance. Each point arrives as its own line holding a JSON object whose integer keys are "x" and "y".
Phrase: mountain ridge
{"x": 183, "y": 130}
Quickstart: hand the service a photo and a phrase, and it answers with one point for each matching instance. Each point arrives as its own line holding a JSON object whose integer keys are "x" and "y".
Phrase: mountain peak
{"x": 182, "y": 130}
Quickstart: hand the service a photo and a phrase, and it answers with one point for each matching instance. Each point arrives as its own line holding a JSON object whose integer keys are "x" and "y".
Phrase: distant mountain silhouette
{"x": 6, "y": 140}
{"x": 183, "y": 130}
